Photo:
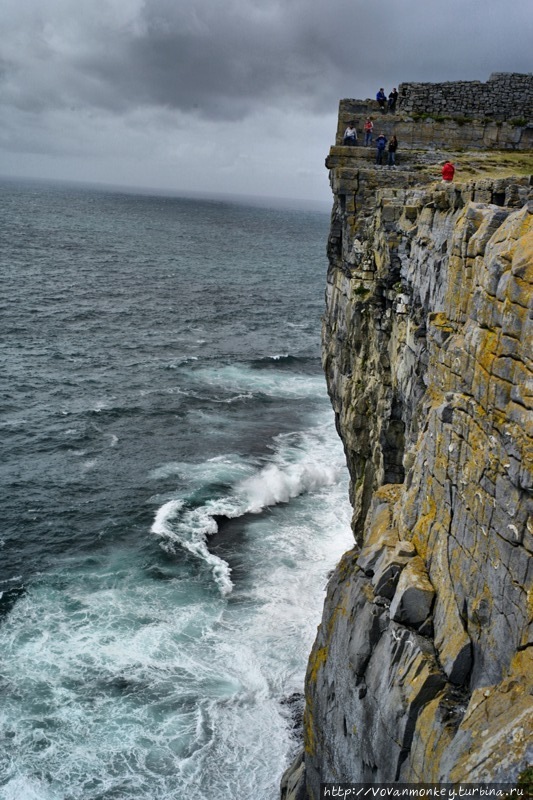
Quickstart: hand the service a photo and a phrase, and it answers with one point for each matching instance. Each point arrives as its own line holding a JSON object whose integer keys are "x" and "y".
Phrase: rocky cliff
{"x": 422, "y": 669}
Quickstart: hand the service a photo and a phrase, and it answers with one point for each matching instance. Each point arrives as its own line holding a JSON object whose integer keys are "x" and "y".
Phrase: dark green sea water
{"x": 173, "y": 492}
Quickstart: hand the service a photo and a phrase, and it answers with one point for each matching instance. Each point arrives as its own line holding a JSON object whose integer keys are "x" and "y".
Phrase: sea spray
{"x": 295, "y": 469}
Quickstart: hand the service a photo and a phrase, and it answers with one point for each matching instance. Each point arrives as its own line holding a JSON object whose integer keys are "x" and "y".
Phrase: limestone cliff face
{"x": 422, "y": 669}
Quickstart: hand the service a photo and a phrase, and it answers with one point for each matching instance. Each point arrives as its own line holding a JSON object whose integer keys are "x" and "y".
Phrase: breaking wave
{"x": 300, "y": 465}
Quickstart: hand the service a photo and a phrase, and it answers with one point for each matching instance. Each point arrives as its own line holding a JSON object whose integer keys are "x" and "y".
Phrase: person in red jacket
{"x": 448, "y": 171}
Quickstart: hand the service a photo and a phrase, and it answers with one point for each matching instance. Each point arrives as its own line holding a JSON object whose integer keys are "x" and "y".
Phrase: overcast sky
{"x": 223, "y": 96}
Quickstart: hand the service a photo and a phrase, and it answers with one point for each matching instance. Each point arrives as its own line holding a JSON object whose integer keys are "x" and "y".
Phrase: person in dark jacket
{"x": 393, "y": 146}
{"x": 393, "y": 99}
{"x": 382, "y": 99}
{"x": 381, "y": 143}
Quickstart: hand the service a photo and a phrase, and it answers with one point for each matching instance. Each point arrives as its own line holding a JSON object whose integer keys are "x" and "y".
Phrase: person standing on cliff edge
{"x": 382, "y": 99}
{"x": 393, "y": 146}
{"x": 381, "y": 141}
{"x": 448, "y": 171}
{"x": 368, "y": 128}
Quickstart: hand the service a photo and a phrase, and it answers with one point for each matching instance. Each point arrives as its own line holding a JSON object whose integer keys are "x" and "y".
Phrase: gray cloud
{"x": 220, "y": 61}
{"x": 224, "y": 59}
{"x": 67, "y": 68}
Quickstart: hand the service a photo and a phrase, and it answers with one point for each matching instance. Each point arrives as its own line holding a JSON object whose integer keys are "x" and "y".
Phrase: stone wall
{"x": 506, "y": 95}
{"x": 468, "y": 114}
{"x": 437, "y": 131}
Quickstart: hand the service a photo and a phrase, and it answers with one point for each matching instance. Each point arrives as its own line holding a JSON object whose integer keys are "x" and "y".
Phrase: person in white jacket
{"x": 350, "y": 135}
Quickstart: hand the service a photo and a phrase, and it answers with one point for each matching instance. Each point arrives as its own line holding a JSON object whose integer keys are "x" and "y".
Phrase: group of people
{"x": 350, "y": 134}
{"x": 387, "y": 105}
{"x": 350, "y": 139}
{"x": 383, "y": 144}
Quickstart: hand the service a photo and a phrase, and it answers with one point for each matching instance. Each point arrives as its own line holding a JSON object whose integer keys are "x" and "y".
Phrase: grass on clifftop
{"x": 492, "y": 164}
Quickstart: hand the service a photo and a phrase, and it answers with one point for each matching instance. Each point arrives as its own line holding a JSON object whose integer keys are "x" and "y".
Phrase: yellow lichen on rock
{"x": 421, "y": 670}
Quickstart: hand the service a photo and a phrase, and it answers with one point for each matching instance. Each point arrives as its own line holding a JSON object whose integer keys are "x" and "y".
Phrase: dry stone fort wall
{"x": 467, "y": 115}
{"x": 506, "y": 95}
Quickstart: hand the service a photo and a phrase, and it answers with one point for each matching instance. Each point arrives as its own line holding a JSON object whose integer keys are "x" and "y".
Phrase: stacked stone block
{"x": 503, "y": 96}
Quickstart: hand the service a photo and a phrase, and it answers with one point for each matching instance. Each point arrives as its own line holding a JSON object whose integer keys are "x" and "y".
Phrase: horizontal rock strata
{"x": 422, "y": 669}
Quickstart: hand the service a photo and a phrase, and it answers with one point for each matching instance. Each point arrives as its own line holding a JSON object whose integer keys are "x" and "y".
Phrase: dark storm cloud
{"x": 223, "y": 60}
{"x": 219, "y": 60}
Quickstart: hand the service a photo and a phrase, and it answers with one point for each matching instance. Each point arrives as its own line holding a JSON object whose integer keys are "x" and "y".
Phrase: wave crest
{"x": 193, "y": 538}
{"x": 181, "y": 523}
{"x": 275, "y": 485}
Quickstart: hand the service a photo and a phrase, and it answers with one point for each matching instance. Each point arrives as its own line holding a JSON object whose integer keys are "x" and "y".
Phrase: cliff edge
{"x": 422, "y": 670}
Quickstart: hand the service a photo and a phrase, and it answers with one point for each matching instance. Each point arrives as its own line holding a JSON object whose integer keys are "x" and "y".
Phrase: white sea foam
{"x": 127, "y": 638}
{"x": 235, "y": 398}
{"x": 290, "y": 554}
{"x": 301, "y": 464}
{"x": 156, "y": 688}
{"x": 22, "y": 788}
{"x": 227, "y": 468}
{"x": 163, "y": 517}
{"x": 276, "y": 484}
{"x": 242, "y": 379}
{"x": 191, "y": 532}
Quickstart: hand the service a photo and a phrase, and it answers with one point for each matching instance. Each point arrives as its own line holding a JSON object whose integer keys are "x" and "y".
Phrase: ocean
{"x": 174, "y": 493}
